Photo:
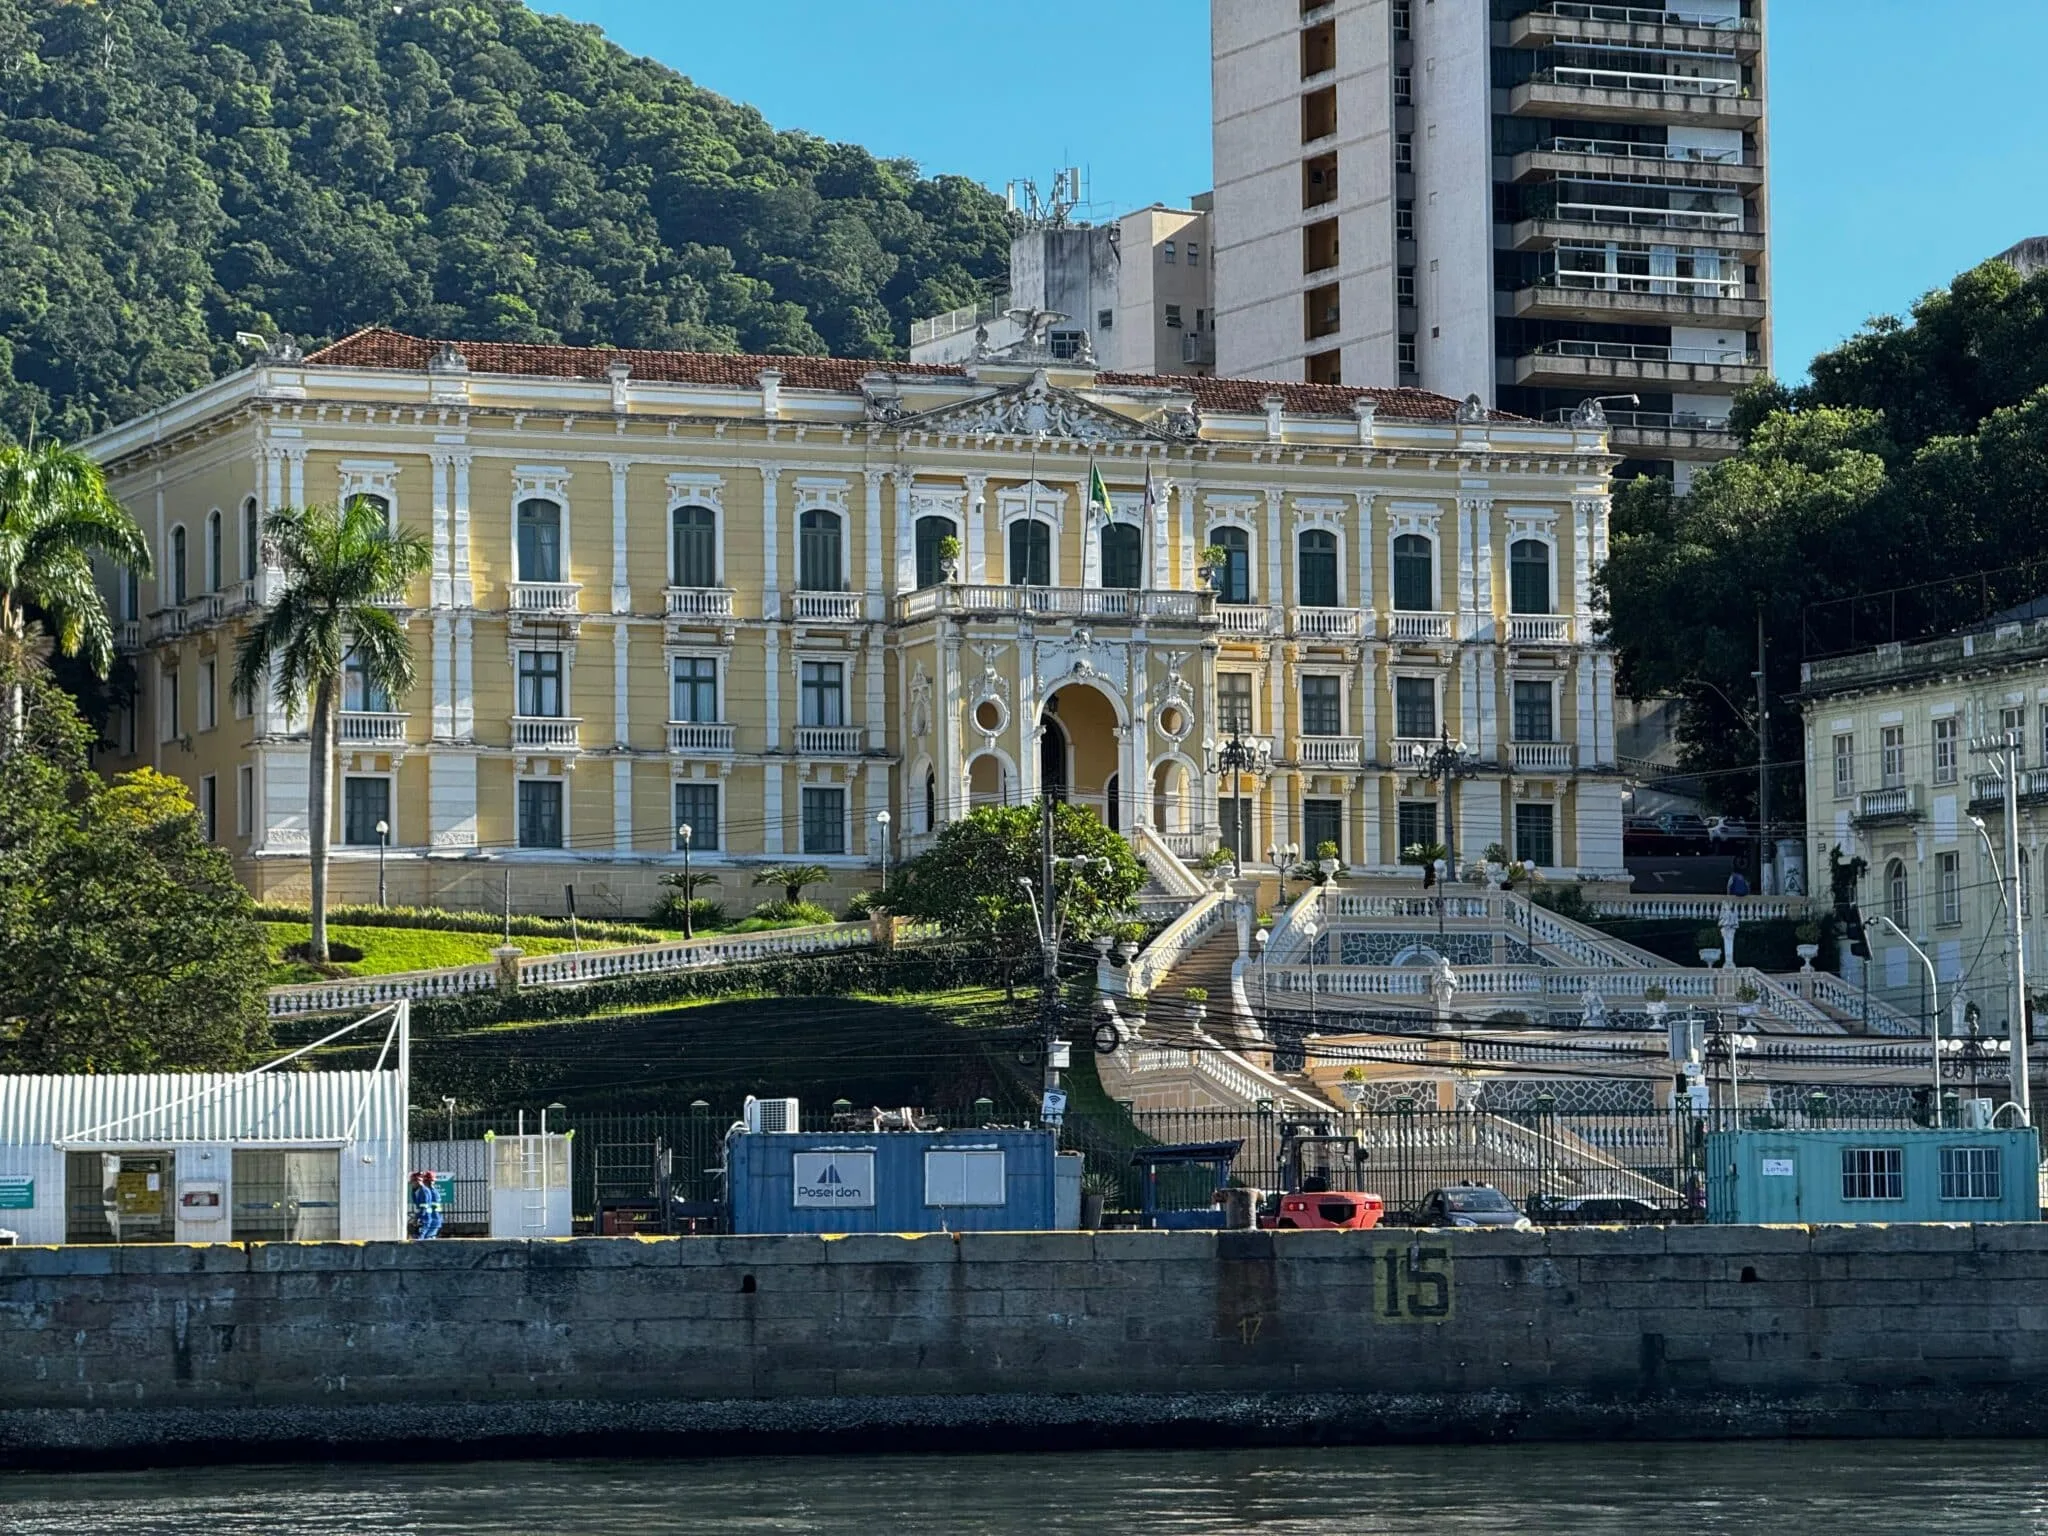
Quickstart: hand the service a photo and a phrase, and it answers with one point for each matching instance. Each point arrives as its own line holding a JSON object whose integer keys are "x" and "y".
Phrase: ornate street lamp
{"x": 1448, "y": 761}
{"x": 1228, "y": 763}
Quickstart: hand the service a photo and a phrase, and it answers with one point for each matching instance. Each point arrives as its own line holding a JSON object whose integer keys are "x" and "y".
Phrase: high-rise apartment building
{"x": 1541, "y": 202}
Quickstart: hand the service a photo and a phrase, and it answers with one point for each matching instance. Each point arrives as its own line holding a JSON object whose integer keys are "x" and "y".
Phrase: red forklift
{"x": 1322, "y": 1170}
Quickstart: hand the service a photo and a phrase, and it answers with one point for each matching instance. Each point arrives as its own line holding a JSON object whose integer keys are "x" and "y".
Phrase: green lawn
{"x": 386, "y": 950}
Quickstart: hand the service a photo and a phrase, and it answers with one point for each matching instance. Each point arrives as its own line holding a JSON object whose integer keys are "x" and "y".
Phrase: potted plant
{"x": 1746, "y": 999}
{"x": 1328, "y": 860}
{"x": 1808, "y": 935}
{"x": 1430, "y": 857}
{"x": 1656, "y": 1001}
{"x": 1496, "y": 859}
{"x": 1708, "y": 941}
{"x": 1096, "y": 1188}
{"x": 1354, "y": 1084}
{"x": 1211, "y": 562}
{"x": 1216, "y": 861}
{"x": 949, "y": 558}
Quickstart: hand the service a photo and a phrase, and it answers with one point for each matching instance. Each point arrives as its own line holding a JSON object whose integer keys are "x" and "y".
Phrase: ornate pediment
{"x": 1035, "y": 408}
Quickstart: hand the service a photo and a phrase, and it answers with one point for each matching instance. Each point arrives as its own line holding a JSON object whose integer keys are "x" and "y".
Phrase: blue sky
{"x": 1905, "y": 137}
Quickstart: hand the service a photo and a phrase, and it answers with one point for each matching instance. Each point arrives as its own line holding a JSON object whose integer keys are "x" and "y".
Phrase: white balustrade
{"x": 828, "y": 740}
{"x": 1327, "y": 751}
{"x": 1180, "y": 938}
{"x": 1541, "y": 756}
{"x": 826, "y": 607}
{"x": 547, "y": 732}
{"x": 370, "y": 728}
{"x": 1244, "y": 619}
{"x": 1421, "y": 627}
{"x": 542, "y": 597}
{"x": 1701, "y": 909}
{"x": 1410, "y": 753}
{"x": 1325, "y": 623}
{"x": 699, "y": 603}
{"x": 1539, "y": 629}
{"x": 696, "y": 736}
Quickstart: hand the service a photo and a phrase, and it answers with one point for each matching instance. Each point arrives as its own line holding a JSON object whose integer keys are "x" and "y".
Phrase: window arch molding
{"x": 706, "y": 492}
{"x": 216, "y": 550}
{"x": 1528, "y": 525}
{"x": 373, "y": 478}
{"x": 1238, "y": 521}
{"x": 549, "y": 483}
{"x": 178, "y": 587}
{"x": 1319, "y": 540}
{"x": 1898, "y": 893}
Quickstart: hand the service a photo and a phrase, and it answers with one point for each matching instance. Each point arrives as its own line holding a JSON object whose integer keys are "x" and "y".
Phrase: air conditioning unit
{"x": 1977, "y": 1114}
{"x": 773, "y": 1117}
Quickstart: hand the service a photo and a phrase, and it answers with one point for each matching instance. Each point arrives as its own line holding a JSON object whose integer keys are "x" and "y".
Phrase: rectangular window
{"x": 1415, "y": 822}
{"x": 1944, "y": 733}
{"x": 1404, "y": 219}
{"x": 208, "y": 696}
{"x": 1194, "y": 254}
{"x": 1891, "y": 744}
{"x": 695, "y": 690}
{"x": 540, "y": 684}
{"x": 964, "y": 1176}
{"x": 1404, "y": 87}
{"x": 1322, "y": 821}
{"x": 540, "y": 813}
{"x": 1166, "y": 252}
{"x": 1234, "y": 812}
{"x": 1404, "y": 287}
{"x": 1404, "y": 151}
{"x": 1173, "y": 317}
{"x": 1533, "y": 711}
{"x": 1404, "y": 354}
{"x": 1105, "y": 319}
{"x": 1536, "y": 834}
{"x": 365, "y": 801}
{"x": 245, "y": 800}
{"x": 697, "y": 809}
{"x": 1322, "y": 706}
{"x": 1873, "y": 1173}
{"x": 824, "y": 693}
{"x": 209, "y": 809}
{"x": 1415, "y": 707}
{"x": 1971, "y": 1173}
{"x": 824, "y": 820}
{"x": 1948, "y": 881}
{"x": 1845, "y": 765}
{"x": 2012, "y": 723}
{"x": 358, "y": 692}
{"x": 1234, "y": 703}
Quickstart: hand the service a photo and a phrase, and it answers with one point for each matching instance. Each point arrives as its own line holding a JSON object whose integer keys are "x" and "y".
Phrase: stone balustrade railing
{"x": 1179, "y": 939}
{"x": 1703, "y": 909}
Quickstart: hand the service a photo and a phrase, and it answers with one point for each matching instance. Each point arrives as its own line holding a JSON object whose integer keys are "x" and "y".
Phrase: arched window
{"x": 252, "y": 538}
{"x": 382, "y": 504}
{"x": 1897, "y": 893}
{"x": 1235, "y": 579}
{"x": 178, "y": 567}
{"x": 930, "y": 532}
{"x": 1122, "y": 558}
{"x": 540, "y": 540}
{"x": 1316, "y": 574}
{"x": 931, "y": 801}
{"x": 694, "y": 562}
{"x": 214, "y": 573}
{"x": 1529, "y": 576}
{"x": 1414, "y": 574}
{"x": 1030, "y": 553}
{"x": 819, "y": 567}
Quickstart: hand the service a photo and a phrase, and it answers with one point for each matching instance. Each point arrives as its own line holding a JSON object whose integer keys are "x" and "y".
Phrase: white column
{"x": 875, "y": 610}
{"x": 1487, "y": 742}
{"x": 1366, "y": 538}
{"x": 977, "y": 540}
{"x": 1467, "y": 626}
{"x": 444, "y": 676}
{"x": 872, "y": 663}
{"x": 1468, "y": 695}
{"x": 906, "y": 533}
{"x": 439, "y": 588}
{"x": 622, "y": 726}
{"x": 946, "y": 753}
{"x": 1603, "y": 707}
{"x": 1156, "y": 537}
{"x": 771, "y": 691}
{"x": 296, "y": 458}
{"x": 622, "y": 804}
{"x": 1187, "y": 536}
{"x": 771, "y": 543}
{"x": 622, "y": 581}
{"x": 1138, "y": 767}
{"x": 1091, "y": 544}
{"x": 273, "y": 480}
{"x": 1276, "y": 569}
{"x": 1482, "y": 567}
{"x": 1207, "y": 787}
{"x": 771, "y": 806}
{"x": 451, "y": 800}
{"x": 1585, "y": 510}
{"x": 463, "y": 587}
{"x": 1588, "y": 726}
{"x": 1027, "y": 721}
{"x": 465, "y": 686}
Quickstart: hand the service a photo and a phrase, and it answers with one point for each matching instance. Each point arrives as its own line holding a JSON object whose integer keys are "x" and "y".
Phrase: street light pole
{"x": 1448, "y": 761}
{"x": 689, "y": 896}
{"x": 383, "y": 842}
{"x": 1934, "y": 1002}
{"x": 882, "y": 821}
{"x": 2004, "y": 751}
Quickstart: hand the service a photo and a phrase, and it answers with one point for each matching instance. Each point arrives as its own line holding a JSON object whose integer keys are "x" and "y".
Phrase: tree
{"x": 130, "y": 946}
{"x": 55, "y": 515}
{"x": 342, "y": 567}
{"x": 793, "y": 878}
{"x": 970, "y": 882}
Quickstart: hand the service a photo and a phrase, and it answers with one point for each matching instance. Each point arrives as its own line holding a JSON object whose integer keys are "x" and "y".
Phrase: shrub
{"x": 862, "y": 906}
{"x": 1807, "y": 933}
{"x": 1195, "y": 994}
{"x": 1566, "y": 901}
{"x": 703, "y": 913}
{"x": 1327, "y": 850}
{"x": 461, "y": 922}
{"x": 794, "y": 912}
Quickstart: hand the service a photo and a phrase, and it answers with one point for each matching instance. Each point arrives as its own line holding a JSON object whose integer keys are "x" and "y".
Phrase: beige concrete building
{"x": 673, "y": 588}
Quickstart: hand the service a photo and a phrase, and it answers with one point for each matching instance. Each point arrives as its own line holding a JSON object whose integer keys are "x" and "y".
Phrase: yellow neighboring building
{"x": 677, "y": 588}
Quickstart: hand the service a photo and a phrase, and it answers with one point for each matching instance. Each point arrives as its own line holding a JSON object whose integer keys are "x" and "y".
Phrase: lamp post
{"x": 1260, "y": 937}
{"x": 1310, "y": 928}
{"x": 1447, "y": 762}
{"x": 689, "y": 896}
{"x": 882, "y": 825}
{"x": 1934, "y": 1004}
{"x": 383, "y": 842}
{"x": 1284, "y": 856}
{"x": 2008, "y": 761}
{"x": 1228, "y": 762}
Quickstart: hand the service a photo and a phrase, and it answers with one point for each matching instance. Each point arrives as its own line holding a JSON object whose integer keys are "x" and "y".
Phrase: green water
{"x": 1811, "y": 1488}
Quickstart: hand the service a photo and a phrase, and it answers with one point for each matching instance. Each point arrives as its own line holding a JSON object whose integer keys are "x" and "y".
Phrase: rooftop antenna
{"x": 1053, "y": 210}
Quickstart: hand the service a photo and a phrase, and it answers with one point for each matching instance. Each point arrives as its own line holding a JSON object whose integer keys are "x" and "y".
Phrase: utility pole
{"x": 1048, "y": 943}
{"x": 1765, "y": 863}
{"x": 2004, "y": 751}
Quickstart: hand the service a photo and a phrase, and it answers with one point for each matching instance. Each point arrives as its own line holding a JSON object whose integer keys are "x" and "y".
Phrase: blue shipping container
{"x": 1860, "y": 1176}
{"x": 898, "y": 1181}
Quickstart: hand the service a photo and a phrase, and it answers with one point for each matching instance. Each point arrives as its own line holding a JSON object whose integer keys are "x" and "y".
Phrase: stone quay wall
{"x": 621, "y": 1345}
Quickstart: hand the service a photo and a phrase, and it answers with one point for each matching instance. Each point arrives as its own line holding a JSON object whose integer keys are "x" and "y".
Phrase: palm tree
{"x": 55, "y": 515}
{"x": 793, "y": 878}
{"x": 341, "y": 567}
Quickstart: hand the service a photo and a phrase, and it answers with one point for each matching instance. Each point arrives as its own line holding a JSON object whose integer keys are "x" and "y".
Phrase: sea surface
{"x": 1811, "y": 1488}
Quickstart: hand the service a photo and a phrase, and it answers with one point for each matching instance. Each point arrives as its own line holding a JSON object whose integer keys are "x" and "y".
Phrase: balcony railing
{"x": 1540, "y": 756}
{"x": 1539, "y": 629}
{"x": 1325, "y": 623}
{"x": 371, "y": 728}
{"x": 828, "y": 740}
{"x": 544, "y": 597}
{"x": 1102, "y": 603}
{"x": 1197, "y": 348}
{"x": 1896, "y": 803}
{"x": 546, "y": 732}
{"x": 128, "y": 635}
{"x": 1634, "y": 282}
{"x": 1327, "y": 751}
{"x": 166, "y": 623}
{"x": 1989, "y": 788}
{"x": 1647, "y": 16}
{"x": 1652, "y": 421}
{"x": 1244, "y": 619}
{"x": 826, "y": 607}
{"x": 1631, "y": 80}
{"x": 1649, "y": 352}
{"x": 1643, "y": 218}
{"x": 1409, "y": 753}
{"x": 695, "y": 736}
{"x": 699, "y": 603}
{"x": 1626, "y": 149}
{"x": 1414, "y": 626}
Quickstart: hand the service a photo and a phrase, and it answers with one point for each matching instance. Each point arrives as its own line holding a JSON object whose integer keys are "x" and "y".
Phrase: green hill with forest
{"x": 175, "y": 171}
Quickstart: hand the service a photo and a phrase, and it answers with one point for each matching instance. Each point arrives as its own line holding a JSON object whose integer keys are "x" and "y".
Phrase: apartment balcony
{"x": 1245, "y": 620}
{"x": 370, "y": 728}
{"x": 1626, "y": 96}
{"x": 1539, "y": 629}
{"x": 1987, "y": 790}
{"x": 1603, "y": 224}
{"x": 698, "y": 602}
{"x": 824, "y": 607}
{"x": 1540, "y": 756}
{"x": 828, "y": 741}
{"x": 1595, "y": 366}
{"x": 542, "y": 599}
{"x": 1895, "y": 804}
{"x": 1328, "y": 752}
{"x": 696, "y": 739}
{"x": 1325, "y": 623}
{"x": 546, "y": 733}
{"x": 1411, "y": 627}
{"x": 1595, "y": 159}
{"x": 1102, "y": 605}
{"x": 1666, "y": 434}
{"x": 128, "y": 636}
{"x": 1570, "y": 23}
{"x": 1622, "y": 299}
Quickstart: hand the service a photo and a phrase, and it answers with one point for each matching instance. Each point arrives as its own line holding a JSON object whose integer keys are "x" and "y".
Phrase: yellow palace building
{"x": 722, "y": 591}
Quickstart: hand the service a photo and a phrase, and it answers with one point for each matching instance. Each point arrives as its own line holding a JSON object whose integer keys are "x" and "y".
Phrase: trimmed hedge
{"x": 361, "y": 916}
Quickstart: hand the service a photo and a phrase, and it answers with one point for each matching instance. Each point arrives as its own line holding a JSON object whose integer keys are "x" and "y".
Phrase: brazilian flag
{"x": 1098, "y": 493}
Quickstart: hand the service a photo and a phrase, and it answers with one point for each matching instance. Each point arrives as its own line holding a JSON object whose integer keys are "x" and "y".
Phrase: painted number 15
{"x": 1414, "y": 1283}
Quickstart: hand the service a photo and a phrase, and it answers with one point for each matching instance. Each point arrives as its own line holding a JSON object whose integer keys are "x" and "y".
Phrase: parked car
{"x": 1468, "y": 1205}
{"x": 1594, "y": 1211}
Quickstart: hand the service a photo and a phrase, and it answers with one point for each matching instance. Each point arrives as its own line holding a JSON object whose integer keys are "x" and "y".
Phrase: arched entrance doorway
{"x": 1052, "y": 757}
{"x": 1078, "y": 752}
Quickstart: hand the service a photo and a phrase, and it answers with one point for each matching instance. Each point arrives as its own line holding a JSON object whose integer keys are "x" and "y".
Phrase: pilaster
{"x": 622, "y": 581}
{"x": 439, "y": 586}
{"x": 771, "y": 542}
{"x": 465, "y": 685}
{"x": 876, "y": 599}
{"x": 622, "y": 727}
{"x": 462, "y": 587}
{"x": 977, "y": 530}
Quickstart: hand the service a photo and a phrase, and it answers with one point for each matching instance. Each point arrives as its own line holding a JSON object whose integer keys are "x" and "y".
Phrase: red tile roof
{"x": 378, "y": 347}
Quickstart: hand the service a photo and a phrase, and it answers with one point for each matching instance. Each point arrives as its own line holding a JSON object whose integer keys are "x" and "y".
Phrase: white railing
{"x": 128, "y": 635}
{"x": 1127, "y": 604}
{"x": 1289, "y": 934}
{"x": 696, "y": 736}
{"x": 826, "y": 607}
{"x": 546, "y": 731}
{"x": 1630, "y": 80}
{"x": 1701, "y": 909}
{"x": 544, "y": 596}
{"x": 1167, "y": 856}
{"x": 1989, "y": 788}
{"x": 1414, "y": 626}
{"x": 1361, "y": 904}
{"x": 1410, "y": 753}
{"x": 1647, "y": 352}
{"x": 1325, "y": 623}
{"x": 1222, "y": 1072}
{"x": 1653, "y": 421}
{"x": 1539, "y": 629}
{"x": 1244, "y": 619}
{"x": 1638, "y": 217}
{"x": 1541, "y": 756}
{"x": 1574, "y": 280}
{"x": 1627, "y": 150}
{"x": 370, "y": 728}
{"x": 699, "y": 602}
{"x": 1588, "y": 946}
{"x": 1838, "y": 997}
{"x": 366, "y": 992}
{"x": 965, "y": 318}
{"x": 1647, "y": 16}
{"x": 166, "y": 623}
{"x": 1327, "y": 751}
{"x": 828, "y": 740}
{"x": 1179, "y": 939}
{"x": 1899, "y": 800}
{"x": 1187, "y": 846}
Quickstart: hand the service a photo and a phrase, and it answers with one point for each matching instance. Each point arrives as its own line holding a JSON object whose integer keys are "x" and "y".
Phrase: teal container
{"x": 1870, "y": 1176}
